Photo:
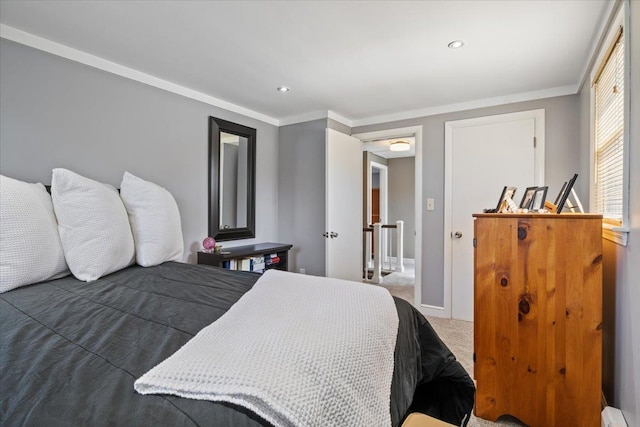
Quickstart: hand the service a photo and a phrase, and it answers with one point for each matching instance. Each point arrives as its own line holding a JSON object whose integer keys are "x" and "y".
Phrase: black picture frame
{"x": 555, "y": 202}
{"x": 527, "y": 198}
{"x": 539, "y": 197}
{"x": 507, "y": 192}
{"x": 216, "y": 126}
{"x": 565, "y": 194}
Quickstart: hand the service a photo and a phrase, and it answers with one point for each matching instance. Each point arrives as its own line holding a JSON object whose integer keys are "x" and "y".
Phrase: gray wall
{"x": 402, "y": 200}
{"x": 59, "y": 113}
{"x": 561, "y": 159}
{"x": 621, "y": 287}
{"x": 301, "y": 200}
{"x": 628, "y": 260}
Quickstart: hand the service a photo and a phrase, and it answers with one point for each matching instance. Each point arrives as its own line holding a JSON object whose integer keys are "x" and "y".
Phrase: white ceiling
{"x": 365, "y": 61}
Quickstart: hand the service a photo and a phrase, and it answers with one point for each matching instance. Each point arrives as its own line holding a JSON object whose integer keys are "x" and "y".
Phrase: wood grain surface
{"x": 538, "y": 318}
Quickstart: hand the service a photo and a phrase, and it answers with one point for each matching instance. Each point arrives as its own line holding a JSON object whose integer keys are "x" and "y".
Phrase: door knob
{"x": 457, "y": 235}
{"x": 333, "y": 234}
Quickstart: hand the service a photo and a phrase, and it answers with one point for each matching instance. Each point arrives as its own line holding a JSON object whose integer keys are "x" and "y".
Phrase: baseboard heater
{"x": 612, "y": 417}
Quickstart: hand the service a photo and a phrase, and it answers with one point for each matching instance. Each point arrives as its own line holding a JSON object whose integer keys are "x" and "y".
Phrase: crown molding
{"x": 316, "y": 115}
{"x": 304, "y": 117}
{"x": 54, "y": 48}
{"x": 338, "y": 118}
{"x": 470, "y": 105}
{"x": 40, "y": 43}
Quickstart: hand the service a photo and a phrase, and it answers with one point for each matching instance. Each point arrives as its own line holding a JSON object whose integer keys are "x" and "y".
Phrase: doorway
{"x": 413, "y": 227}
{"x": 376, "y": 201}
{"x": 482, "y": 155}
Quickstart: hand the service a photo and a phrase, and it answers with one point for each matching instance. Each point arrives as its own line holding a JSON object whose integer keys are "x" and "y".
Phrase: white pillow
{"x": 93, "y": 225}
{"x": 155, "y": 221}
{"x": 30, "y": 249}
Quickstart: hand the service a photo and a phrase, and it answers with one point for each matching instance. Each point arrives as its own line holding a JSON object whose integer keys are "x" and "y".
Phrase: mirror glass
{"x": 231, "y": 180}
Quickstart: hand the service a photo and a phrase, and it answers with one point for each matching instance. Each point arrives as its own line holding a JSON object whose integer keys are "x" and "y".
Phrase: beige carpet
{"x": 458, "y": 336}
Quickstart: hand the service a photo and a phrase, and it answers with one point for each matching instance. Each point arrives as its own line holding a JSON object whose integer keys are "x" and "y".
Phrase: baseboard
{"x": 432, "y": 310}
{"x": 407, "y": 261}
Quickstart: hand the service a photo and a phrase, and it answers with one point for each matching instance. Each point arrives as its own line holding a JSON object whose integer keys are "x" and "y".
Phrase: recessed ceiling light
{"x": 456, "y": 44}
{"x": 283, "y": 89}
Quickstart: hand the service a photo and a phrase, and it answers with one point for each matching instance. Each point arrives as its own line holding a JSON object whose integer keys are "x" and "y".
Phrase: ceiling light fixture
{"x": 283, "y": 89}
{"x": 400, "y": 146}
{"x": 456, "y": 44}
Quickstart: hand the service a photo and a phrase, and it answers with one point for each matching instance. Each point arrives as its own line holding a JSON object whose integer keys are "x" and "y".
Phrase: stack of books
{"x": 255, "y": 264}
{"x": 271, "y": 261}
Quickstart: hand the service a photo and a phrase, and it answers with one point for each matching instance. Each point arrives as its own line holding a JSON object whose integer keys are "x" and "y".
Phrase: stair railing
{"x": 379, "y": 237}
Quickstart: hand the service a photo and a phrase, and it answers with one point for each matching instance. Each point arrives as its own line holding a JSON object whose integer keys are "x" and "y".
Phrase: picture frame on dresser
{"x": 555, "y": 202}
{"x": 539, "y": 198}
{"x": 565, "y": 194}
{"x": 507, "y": 193}
{"x": 527, "y": 198}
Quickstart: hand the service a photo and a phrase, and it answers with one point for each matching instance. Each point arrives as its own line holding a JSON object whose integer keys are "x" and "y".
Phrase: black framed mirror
{"x": 232, "y": 180}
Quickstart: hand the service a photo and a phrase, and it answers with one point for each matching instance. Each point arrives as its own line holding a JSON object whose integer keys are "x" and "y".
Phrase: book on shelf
{"x": 272, "y": 259}
{"x": 245, "y": 264}
{"x": 257, "y": 264}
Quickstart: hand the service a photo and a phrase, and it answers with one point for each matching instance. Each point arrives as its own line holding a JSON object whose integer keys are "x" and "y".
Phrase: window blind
{"x": 609, "y": 134}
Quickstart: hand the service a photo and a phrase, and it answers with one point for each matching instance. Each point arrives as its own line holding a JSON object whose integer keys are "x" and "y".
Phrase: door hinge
{"x": 475, "y": 242}
{"x": 534, "y": 142}
{"x": 474, "y": 357}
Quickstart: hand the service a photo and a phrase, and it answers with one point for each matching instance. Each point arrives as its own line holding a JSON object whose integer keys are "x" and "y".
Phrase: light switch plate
{"x": 430, "y": 204}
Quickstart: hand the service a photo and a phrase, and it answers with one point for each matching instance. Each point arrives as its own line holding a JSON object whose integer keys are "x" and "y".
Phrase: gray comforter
{"x": 70, "y": 351}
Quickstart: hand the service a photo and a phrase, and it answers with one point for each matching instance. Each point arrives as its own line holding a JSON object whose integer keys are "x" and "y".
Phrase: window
{"x": 610, "y": 104}
{"x": 609, "y": 135}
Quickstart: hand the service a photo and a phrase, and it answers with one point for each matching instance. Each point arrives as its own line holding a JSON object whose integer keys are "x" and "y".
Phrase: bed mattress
{"x": 71, "y": 351}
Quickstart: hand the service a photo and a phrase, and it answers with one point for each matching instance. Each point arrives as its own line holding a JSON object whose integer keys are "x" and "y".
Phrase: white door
{"x": 484, "y": 157}
{"x": 343, "y": 244}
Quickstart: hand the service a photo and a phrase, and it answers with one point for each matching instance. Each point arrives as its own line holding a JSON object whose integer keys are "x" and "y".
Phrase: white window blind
{"x": 609, "y": 134}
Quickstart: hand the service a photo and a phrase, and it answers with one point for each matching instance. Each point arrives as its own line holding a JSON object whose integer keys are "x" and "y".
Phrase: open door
{"x": 343, "y": 227}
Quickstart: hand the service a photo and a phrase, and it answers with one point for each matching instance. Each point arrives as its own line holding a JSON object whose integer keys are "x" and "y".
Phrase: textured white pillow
{"x": 30, "y": 249}
{"x": 155, "y": 221}
{"x": 93, "y": 225}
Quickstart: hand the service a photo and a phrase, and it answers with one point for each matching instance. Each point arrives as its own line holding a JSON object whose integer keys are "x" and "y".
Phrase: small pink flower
{"x": 209, "y": 243}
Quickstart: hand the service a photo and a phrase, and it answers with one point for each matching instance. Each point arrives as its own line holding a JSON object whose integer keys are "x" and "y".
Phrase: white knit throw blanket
{"x": 297, "y": 350}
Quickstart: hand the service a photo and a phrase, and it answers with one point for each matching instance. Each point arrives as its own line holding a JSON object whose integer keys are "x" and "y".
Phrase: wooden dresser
{"x": 538, "y": 318}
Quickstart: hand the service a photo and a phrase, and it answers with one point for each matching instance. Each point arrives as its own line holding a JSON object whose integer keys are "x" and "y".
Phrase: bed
{"x": 71, "y": 351}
